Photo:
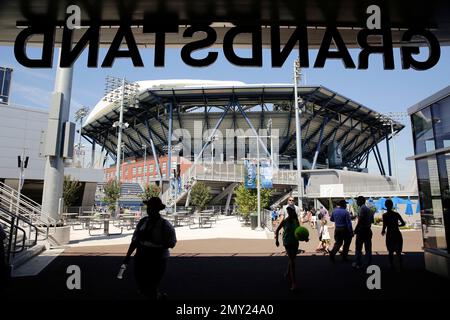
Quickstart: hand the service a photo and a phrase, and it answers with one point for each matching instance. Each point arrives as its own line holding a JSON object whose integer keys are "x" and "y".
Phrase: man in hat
{"x": 152, "y": 239}
{"x": 343, "y": 232}
{"x": 363, "y": 233}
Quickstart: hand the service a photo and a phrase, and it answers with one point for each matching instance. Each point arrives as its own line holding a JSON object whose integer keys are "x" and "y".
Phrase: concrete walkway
{"x": 216, "y": 265}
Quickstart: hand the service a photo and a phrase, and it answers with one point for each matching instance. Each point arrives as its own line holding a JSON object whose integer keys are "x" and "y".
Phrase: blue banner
{"x": 266, "y": 172}
{"x": 250, "y": 174}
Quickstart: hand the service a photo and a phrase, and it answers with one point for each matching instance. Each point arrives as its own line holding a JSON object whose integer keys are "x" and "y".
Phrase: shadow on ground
{"x": 234, "y": 278}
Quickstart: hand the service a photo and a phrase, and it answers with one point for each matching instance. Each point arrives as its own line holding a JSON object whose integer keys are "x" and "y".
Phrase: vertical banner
{"x": 266, "y": 172}
{"x": 250, "y": 174}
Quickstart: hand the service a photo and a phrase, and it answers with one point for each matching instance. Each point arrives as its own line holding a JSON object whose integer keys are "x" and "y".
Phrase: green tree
{"x": 71, "y": 191}
{"x": 266, "y": 194}
{"x": 112, "y": 194}
{"x": 151, "y": 190}
{"x": 247, "y": 200}
{"x": 200, "y": 195}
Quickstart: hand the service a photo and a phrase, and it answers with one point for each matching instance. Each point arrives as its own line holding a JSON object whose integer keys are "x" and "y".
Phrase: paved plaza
{"x": 225, "y": 262}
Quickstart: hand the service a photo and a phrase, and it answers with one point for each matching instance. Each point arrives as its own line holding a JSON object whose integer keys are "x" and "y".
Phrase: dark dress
{"x": 394, "y": 240}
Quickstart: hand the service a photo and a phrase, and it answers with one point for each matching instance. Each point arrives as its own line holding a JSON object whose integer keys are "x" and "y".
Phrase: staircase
{"x": 24, "y": 222}
{"x": 283, "y": 198}
{"x": 183, "y": 195}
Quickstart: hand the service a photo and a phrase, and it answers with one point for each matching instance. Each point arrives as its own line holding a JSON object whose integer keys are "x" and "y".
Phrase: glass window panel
{"x": 434, "y": 176}
{"x": 431, "y": 203}
{"x": 444, "y": 171}
{"x": 7, "y": 82}
{"x": 422, "y": 131}
{"x": 441, "y": 121}
{"x": 2, "y": 76}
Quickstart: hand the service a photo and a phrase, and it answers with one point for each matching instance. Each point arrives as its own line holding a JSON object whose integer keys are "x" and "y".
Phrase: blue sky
{"x": 378, "y": 89}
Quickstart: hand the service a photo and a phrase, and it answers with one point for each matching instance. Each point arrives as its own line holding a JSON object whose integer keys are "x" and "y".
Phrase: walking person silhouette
{"x": 290, "y": 242}
{"x": 363, "y": 234}
{"x": 343, "y": 231}
{"x": 152, "y": 239}
{"x": 394, "y": 241}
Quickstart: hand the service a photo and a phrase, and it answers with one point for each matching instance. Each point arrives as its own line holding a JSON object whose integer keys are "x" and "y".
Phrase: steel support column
{"x": 388, "y": 152}
{"x": 319, "y": 144}
{"x": 252, "y": 128}
{"x": 210, "y": 137}
{"x": 54, "y": 164}
{"x": 155, "y": 155}
{"x": 379, "y": 156}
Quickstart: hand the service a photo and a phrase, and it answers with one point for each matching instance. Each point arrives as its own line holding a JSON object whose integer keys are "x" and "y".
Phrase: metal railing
{"x": 26, "y": 208}
{"x": 235, "y": 173}
{"x": 266, "y": 219}
{"x": 17, "y": 243}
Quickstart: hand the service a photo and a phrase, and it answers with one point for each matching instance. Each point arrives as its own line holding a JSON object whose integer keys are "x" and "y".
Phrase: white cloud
{"x": 34, "y": 73}
{"x": 36, "y": 96}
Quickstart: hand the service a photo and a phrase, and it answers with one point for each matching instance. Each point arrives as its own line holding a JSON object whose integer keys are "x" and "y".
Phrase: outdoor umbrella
{"x": 409, "y": 210}
{"x": 396, "y": 201}
{"x": 418, "y": 206}
{"x": 380, "y": 204}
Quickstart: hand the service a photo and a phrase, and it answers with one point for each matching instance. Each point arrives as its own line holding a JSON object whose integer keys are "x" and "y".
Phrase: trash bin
{"x": 253, "y": 221}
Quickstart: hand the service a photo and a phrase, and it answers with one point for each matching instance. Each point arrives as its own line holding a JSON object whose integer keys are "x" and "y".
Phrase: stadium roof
{"x": 328, "y": 116}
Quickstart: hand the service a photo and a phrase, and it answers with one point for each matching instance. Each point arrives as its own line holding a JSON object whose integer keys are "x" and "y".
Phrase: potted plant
{"x": 71, "y": 193}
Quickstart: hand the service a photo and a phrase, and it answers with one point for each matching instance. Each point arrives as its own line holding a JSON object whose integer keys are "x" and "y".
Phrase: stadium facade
{"x": 214, "y": 126}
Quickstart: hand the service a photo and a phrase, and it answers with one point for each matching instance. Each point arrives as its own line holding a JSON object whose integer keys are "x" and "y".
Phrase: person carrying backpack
{"x": 152, "y": 239}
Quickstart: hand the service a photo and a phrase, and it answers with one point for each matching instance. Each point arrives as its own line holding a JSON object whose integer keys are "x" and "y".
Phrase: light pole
{"x": 79, "y": 116}
{"x": 213, "y": 138}
{"x": 22, "y": 164}
{"x": 123, "y": 160}
{"x": 119, "y": 90}
{"x": 298, "y": 126}
{"x": 269, "y": 125}
{"x": 390, "y": 119}
{"x": 144, "y": 146}
{"x": 258, "y": 175}
{"x": 173, "y": 183}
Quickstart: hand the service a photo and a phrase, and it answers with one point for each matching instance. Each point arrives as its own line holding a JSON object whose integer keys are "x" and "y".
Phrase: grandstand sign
{"x": 203, "y": 36}
{"x": 331, "y": 190}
